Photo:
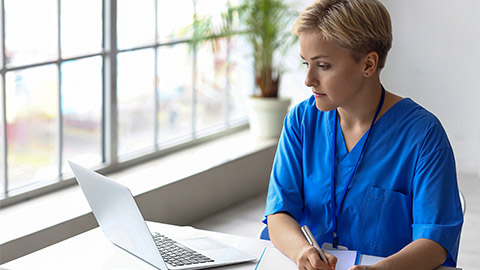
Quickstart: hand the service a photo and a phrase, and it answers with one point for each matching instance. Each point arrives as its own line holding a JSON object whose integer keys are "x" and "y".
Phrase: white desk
{"x": 91, "y": 250}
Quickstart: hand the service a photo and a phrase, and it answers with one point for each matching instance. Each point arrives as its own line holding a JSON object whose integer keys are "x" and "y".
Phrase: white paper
{"x": 273, "y": 259}
{"x": 346, "y": 258}
{"x": 369, "y": 260}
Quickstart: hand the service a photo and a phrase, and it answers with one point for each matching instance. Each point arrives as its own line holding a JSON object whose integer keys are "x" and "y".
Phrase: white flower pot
{"x": 267, "y": 115}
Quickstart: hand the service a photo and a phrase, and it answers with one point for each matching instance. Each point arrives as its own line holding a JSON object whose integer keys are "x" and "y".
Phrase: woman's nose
{"x": 310, "y": 79}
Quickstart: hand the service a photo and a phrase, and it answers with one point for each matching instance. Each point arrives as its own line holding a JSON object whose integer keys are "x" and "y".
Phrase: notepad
{"x": 369, "y": 260}
{"x": 273, "y": 259}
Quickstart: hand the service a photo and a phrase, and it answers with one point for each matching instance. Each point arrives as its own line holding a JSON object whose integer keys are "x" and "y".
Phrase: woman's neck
{"x": 361, "y": 110}
{"x": 356, "y": 118}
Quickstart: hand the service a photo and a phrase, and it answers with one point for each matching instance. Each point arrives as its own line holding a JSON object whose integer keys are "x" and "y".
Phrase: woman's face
{"x": 333, "y": 75}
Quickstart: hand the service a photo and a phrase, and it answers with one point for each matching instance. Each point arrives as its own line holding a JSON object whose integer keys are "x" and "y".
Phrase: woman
{"x": 362, "y": 167}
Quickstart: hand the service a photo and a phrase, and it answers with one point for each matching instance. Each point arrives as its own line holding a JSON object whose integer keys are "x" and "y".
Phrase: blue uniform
{"x": 404, "y": 188}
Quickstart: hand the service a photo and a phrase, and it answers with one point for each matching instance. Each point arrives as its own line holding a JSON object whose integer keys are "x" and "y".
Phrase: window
{"x": 105, "y": 83}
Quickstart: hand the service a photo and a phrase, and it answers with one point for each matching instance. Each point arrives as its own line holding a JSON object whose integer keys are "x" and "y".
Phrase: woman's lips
{"x": 318, "y": 95}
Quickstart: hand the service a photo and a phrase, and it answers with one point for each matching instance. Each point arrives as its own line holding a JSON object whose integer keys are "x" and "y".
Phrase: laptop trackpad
{"x": 202, "y": 243}
{"x": 216, "y": 250}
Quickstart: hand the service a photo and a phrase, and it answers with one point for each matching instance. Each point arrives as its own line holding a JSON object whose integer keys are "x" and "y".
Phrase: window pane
{"x": 136, "y": 23}
{"x": 211, "y": 8}
{"x": 81, "y": 30}
{"x": 30, "y": 31}
{"x": 82, "y": 111}
{"x": 241, "y": 78}
{"x": 173, "y": 19}
{"x": 174, "y": 92}
{"x": 32, "y": 98}
{"x": 210, "y": 85}
{"x": 136, "y": 100}
{"x": 2, "y": 141}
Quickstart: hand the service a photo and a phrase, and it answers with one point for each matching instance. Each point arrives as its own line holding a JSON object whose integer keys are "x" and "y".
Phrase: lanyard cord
{"x": 336, "y": 212}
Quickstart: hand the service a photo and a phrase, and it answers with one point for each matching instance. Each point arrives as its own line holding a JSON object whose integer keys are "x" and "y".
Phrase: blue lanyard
{"x": 335, "y": 212}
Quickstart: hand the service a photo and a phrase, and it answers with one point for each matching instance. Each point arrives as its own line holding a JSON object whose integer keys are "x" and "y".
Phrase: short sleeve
{"x": 286, "y": 180}
{"x": 437, "y": 213}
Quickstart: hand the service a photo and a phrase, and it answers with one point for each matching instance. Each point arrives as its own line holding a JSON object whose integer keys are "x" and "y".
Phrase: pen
{"x": 308, "y": 234}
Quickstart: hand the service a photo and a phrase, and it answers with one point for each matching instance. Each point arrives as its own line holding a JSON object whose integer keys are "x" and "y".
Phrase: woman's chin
{"x": 324, "y": 107}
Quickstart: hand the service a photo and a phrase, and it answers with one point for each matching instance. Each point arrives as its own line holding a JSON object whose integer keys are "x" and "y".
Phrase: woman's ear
{"x": 371, "y": 64}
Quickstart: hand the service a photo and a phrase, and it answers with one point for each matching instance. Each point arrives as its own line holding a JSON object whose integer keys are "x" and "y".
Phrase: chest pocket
{"x": 385, "y": 221}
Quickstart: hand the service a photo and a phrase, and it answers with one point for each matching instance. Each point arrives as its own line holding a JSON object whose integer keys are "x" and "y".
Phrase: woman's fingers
{"x": 311, "y": 260}
{"x": 332, "y": 260}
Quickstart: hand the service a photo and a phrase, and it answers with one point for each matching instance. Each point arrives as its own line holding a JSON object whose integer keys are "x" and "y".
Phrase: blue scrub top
{"x": 404, "y": 188}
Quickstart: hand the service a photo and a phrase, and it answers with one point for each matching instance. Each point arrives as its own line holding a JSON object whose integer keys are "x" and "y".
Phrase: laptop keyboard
{"x": 176, "y": 254}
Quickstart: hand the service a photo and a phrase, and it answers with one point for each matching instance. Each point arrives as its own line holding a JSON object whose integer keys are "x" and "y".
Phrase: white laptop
{"x": 123, "y": 224}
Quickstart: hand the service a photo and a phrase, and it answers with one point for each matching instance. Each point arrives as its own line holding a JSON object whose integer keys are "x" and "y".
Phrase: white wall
{"x": 435, "y": 60}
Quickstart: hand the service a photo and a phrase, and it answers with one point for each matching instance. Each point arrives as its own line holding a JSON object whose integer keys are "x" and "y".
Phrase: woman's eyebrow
{"x": 320, "y": 56}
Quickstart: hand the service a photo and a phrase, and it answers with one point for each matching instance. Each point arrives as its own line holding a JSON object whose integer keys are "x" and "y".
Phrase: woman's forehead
{"x": 314, "y": 46}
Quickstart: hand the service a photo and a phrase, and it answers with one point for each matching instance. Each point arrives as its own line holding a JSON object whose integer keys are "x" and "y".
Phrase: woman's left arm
{"x": 421, "y": 254}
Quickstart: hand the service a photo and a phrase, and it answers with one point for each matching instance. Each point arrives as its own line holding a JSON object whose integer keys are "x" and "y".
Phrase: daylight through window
{"x": 103, "y": 83}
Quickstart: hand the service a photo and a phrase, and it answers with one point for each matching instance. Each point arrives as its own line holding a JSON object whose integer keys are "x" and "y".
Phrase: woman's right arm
{"x": 286, "y": 235}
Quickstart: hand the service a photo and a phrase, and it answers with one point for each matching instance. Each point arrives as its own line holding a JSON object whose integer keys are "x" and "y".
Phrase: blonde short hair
{"x": 360, "y": 26}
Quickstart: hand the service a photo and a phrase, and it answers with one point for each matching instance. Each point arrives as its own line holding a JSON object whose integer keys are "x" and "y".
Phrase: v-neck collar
{"x": 345, "y": 158}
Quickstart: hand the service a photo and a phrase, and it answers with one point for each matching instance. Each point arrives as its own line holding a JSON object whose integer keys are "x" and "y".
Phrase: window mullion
{"x": 110, "y": 122}
{"x": 3, "y": 106}
{"x": 59, "y": 74}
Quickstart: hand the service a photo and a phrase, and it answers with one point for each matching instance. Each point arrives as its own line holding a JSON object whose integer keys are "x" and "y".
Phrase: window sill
{"x": 23, "y": 223}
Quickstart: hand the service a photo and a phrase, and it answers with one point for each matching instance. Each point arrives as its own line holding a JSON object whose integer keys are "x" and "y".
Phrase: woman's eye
{"x": 323, "y": 66}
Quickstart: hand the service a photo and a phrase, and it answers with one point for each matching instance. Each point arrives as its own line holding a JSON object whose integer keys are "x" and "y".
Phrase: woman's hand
{"x": 287, "y": 236}
{"x": 309, "y": 259}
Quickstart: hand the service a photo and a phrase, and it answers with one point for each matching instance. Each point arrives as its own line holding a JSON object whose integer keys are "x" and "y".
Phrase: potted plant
{"x": 266, "y": 26}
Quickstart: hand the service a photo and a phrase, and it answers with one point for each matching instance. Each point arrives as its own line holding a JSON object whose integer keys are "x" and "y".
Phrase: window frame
{"x": 111, "y": 161}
